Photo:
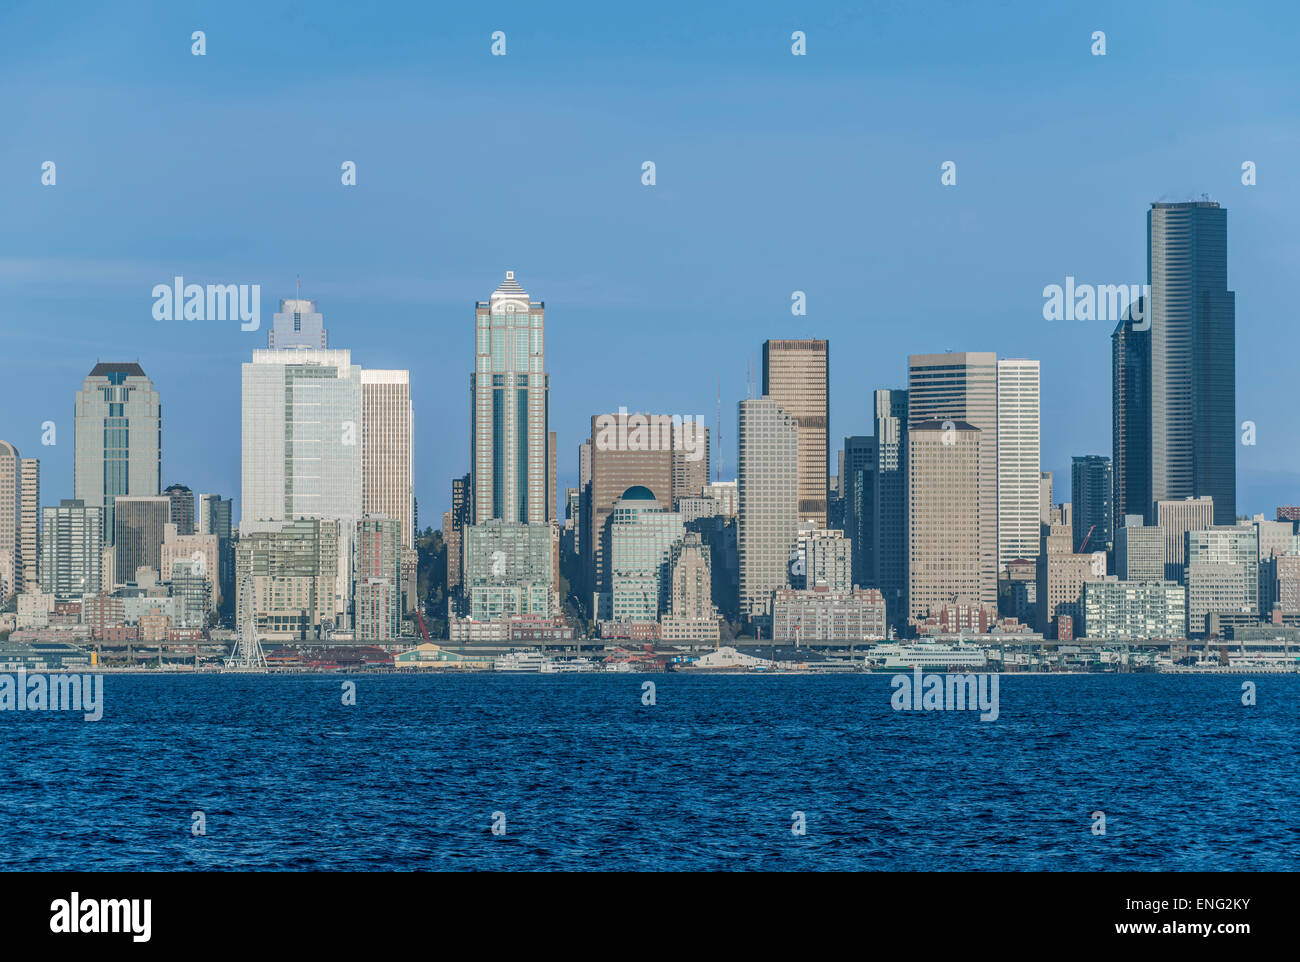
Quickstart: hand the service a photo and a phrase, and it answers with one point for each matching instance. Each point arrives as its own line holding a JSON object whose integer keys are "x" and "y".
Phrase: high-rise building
{"x": 387, "y": 441}
{"x": 1175, "y": 519}
{"x": 509, "y": 570}
{"x": 1137, "y": 610}
{"x": 378, "y": 580}
{"x": 201, "y": 551}
{"x": 291, "y": 570}
{"x": 769, "y": 494}
{"x": 945, "y": 556}
{"x": 1044, "y": 497}
{"x": 1139, "y": 551}
{"x": 626, "y": 451}
{"x": 821, "y": 558}
{"x": 796, "y": 375}
{"x": 642, "y": 535}
{"x": 214, "y": 516}
{"x": 302, "y": 444}
{"x": 1018, "y": 475}
{"x": 1131, "y": 414}
{"x": 551, "y": 444}
{"x": 1091, "y": 491}
{"x": 889, "y": 511}
{"x": 509, "y": 391}
{"x": 182, "y": 509}
{"x": 118, "y": 448}
{"x": 453, "y": 531}
{"x": 690, "y": 459}
{"x": 858, "y": 484}
{"x": 71, "y": 538}
{"x": 692, "y": 615}
{"x": 1193, "y": 357}
{"x": 11, "y": 498}
{"x": 141, "y": 525}
{"x": 297, "y": 324}
{"x": 30, "y": 547}
{"x": 962, "y": 386}
{"x": 1222, "y": 573}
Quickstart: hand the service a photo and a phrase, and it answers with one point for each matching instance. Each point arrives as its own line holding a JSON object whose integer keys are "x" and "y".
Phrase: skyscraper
{"x": 1091, "y": 490}
{"x": 945, "y": 550}
{"x": 768, "y": 482}
{"x": 182, "y": 509}
{"x": 30, "y": 548}
{"x": 962, "y": 386}
{"x": 137, "y": 542}
{"x": 796, "y": 375}
{"x": 297, "y": 324}
{"x": 1176, "y": 519}
{"x": 1019, "y": 475}
{"x": 387, "y": 486}
{"x": 118, "y": 448}
{"x": 11, "y": 497}
{"x": 509, "y": 391}
{"x": 70, "y": 549}
{"x": 302, "y": 445}
{"x": 889, "y": 521}
{"x": 1193, "y": 356}
{"x": 1131, "y": 417}
{"x": 858, "y": 483}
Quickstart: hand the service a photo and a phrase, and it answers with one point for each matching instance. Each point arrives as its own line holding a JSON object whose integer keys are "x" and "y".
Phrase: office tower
{"x": 1222, "y": 573}
{"x": 509, "y": 392}
{"x": 1091, "y": 491}
{"x": 509, "y": 570}
{"x": 214, "y": 516}
{"x": 30, "y": 547}
{"x": 1139, "y": 551}
{"x": 889, "y": 513}
{"x": 453, "y": 529}
{"x": 1193, "y": 357}
{"x": 1044, "y": 496}
{"x": 141, "y": 525}
{"x": 297, "y": 324}
{"x": 551, "y": 443}
{"x": 858, "y": 482}
{"x": 302, "y": 444}
{"x": 378, "y": 578}
{"x": 946, "y": 563}
{"x": 769, "y": 494}
{"x": 1131, "y": 414}
{"x": 203, "y": 550}
{"x": 387, "y": 441}
{"x": 963, "y": 387}
{"x": 821, "y": 558}
{"x": 11, "y": 498}
{"x": 71, "y": 538}
{"x": 182, "y": 508}
{"x": 1175, "y": 519}
{"x": 692, "y": 615}
{"x": 1019, "y": 478}
{"x": 118, "y": 438}
{"x": 292, "y": 577}
{"x": 627, "y": 450}
{"x": 1061, "y": 576}
{"x": 193, "y": 591}
{"x": 796, "y": 375}
{"x": 641, "y": 535}
{"x": 690, "y": 459}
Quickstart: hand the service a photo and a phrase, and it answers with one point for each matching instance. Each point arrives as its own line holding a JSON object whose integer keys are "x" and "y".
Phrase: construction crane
{"x": 1084, "y": 544}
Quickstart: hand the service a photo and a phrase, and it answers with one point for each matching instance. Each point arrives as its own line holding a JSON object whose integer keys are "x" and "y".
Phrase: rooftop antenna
{"x": 298, "y": 278}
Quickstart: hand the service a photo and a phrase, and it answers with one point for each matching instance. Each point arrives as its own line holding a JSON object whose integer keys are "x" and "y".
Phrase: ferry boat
{"x": 529, "y": 661}
{"x": 896, "y": 657}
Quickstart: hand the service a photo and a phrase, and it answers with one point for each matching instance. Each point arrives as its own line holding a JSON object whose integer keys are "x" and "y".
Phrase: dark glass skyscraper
{"x": 1193, "y": 356}
{"x": 1131, "y": 417}
{"x": 1091, "y": 492}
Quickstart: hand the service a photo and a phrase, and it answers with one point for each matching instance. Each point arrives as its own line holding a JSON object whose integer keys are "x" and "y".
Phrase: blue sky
{"x": 775, "y": 173}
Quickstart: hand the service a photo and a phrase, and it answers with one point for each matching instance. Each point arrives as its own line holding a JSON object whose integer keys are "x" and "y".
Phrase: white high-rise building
{"x": 1019, "y": 466}
{"x": 387, "y": 487}
{"x": 297, "y": 324}
{"x": 302, "y": 443}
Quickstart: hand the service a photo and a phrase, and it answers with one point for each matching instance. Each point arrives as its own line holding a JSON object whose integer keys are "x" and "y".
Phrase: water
{"x": 708, "y": 778}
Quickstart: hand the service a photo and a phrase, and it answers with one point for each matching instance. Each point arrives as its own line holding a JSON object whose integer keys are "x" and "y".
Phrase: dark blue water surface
{"x": 708, "y": 778}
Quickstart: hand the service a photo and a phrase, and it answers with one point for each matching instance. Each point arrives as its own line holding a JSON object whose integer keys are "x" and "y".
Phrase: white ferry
{"x": 893, "y": 657}
{"x": 531, "y": 661}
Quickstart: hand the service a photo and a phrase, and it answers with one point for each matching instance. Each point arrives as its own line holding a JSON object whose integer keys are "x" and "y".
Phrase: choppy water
{"x": 590, "y": 778}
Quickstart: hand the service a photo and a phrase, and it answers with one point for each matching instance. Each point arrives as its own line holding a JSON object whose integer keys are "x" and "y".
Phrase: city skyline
{"x": 747, "y": 234}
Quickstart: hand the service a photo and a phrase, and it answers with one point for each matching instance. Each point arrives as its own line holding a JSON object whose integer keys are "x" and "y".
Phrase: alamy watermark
{"x": 946, "y": 692}
{"x": 53, "y": 692}
{"x": 652, "y": 432}
{"x": 212, "y": 302}
{"x": 1104, "y": 302}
